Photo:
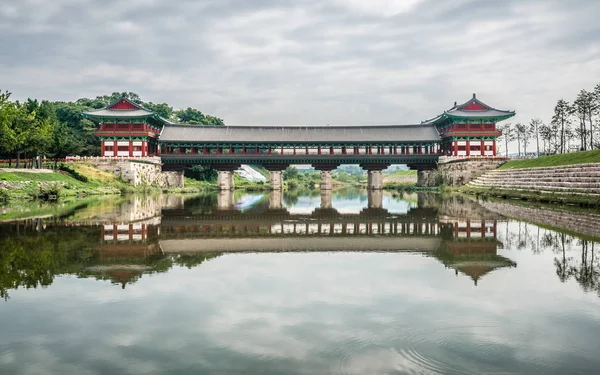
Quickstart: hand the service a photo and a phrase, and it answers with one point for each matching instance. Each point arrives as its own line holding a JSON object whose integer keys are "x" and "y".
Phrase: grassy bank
{"x": 555, "y": 160}
{"x": 78, "y": 180}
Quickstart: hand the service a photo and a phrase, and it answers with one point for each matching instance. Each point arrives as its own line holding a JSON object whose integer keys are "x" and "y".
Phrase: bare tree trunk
{"x": 591, "y": 130}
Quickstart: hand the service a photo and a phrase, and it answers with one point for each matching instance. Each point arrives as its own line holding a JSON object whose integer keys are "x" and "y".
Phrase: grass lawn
{"x": 555, "y": 160}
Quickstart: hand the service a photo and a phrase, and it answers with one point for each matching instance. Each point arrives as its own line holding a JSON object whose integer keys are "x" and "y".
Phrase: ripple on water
{"x": 385, "y": 361}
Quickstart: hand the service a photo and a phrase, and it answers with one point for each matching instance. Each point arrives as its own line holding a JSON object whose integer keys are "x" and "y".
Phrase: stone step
{"x": 562, "y": 167}
{"x": 557, "y": 182}
{"x": 542, "y": 190}
{"x": 568, "y": 185}
{"x": 584, "y": 173}
{"x": 517, "y": 186}
{"x": 546, "y": 176}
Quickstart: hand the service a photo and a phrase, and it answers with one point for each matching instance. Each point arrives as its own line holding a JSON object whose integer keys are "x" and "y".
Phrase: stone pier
{"x": 374, "y": 179}
{"x": 275, "y": 180}
{"x": 326, "y": 180}
{"x": 326, "y": 196}
{"x": 426, "y": 178}
{"x": 225, "y": 180}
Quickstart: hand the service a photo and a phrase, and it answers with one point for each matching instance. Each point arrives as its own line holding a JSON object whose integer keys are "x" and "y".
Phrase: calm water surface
{"x": 342, "y": 283}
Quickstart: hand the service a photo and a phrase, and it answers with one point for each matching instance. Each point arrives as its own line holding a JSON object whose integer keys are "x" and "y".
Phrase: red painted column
{"x": 370, "y": 150}
{"x": 244, "y": 150}
{"x": 395, "y": 150}
{"x": 281, "y": 150}
{"x": 269, "y": 152}
{"x": 468, "y": 148}
{"x": 482, "y": 148}
{"x": 494, "y": 148}
{"x": 204, "y": 150}
{"x": 306, "y": 150}
{"x": 102, "y": 148}
{"x": 294, "y": 150}
{"x": 257, "y": 151}
{"x": 319, "y": 150}
{"x": 344, "y": 150}
{"x": 130, "y": 148}
{"x": 330, "y": 150}
{"x": 455, "y": 148}
{"x": 231, "y": 149}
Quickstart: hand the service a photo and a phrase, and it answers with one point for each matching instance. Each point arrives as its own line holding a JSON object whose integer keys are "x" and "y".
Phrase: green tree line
{"x": 32, "y": 129}
{"x": 574, "y": 127}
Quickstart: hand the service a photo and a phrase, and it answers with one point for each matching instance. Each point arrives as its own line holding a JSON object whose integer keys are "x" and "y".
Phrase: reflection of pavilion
{"x": 472, "y": 249}
{"x": 125, "y": 252}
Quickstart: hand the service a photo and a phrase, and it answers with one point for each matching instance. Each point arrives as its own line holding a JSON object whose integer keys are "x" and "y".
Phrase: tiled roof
{"x": 390, "y": 133}
{"x": 119, "y": 113}
{"x": 465, "y": 110}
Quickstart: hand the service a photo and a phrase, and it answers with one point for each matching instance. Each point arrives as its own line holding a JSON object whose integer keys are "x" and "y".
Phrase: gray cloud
{"x": 305, "y": 62}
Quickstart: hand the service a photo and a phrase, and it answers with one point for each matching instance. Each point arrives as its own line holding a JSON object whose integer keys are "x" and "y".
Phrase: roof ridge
{"x": 473, "y": 100}
{"x": 138, "y": 106}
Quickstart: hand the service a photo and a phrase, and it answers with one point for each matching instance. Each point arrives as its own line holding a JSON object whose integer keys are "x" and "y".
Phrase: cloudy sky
{"x": 306, "y": 61}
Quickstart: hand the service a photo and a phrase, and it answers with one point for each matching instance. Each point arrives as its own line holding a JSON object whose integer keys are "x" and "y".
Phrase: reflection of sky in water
{"x": 247, "y": 201}
{"x": 348, "y": 204}
{"x": 317, "y": 313}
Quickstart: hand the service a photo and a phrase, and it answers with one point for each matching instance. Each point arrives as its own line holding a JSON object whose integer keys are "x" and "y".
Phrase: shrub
{"x": 76, "y": 175}
{"x": 4, "y": 196}
{"x": 48, "y": 192}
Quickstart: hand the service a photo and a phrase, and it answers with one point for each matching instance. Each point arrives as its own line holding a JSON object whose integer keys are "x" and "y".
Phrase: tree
{"x": 583, "y": 107}
{"x": 8, "y": 114}
{"x": 63, "y": 142}
{"x": 534, "y": 129}
{"x": 508, "y": 135}
{"x": 594, "y": 111}
{"x": 290, "y": 172}
{"x": 561, "y": 118}
{"x": 547, "y": 135}
{"x": 164, "y": 110}
{"x": 523, "y": 136}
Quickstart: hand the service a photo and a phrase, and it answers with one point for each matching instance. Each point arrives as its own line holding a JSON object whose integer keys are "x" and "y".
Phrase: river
{"x": 347, "y": 282}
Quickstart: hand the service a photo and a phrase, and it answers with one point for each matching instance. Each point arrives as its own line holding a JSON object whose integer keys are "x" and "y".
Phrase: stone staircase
{"x": 579, "y": 179}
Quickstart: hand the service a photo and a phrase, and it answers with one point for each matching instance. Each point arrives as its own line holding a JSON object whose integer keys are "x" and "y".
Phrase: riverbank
{"x": 566, "y": 179}
{"x": 80, "y": 180}
{"x": 76, "y": 180}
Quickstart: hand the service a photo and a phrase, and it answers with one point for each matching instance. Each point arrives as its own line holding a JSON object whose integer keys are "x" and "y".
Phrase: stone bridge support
{"x": 225, "y": 176}
{"x": 275, "y": 175}
{"x": 374, "y": 180}
{"x": 326, "y": 178}
{"x": 374, "y": 175}
{"x": 326, "y": 196}
{"x": 275, "y": 180}
{"x": 225, "y": 180}
{"x": 426, "y": 178}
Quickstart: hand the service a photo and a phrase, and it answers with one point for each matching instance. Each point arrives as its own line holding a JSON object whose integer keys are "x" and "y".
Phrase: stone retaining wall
{"x": 460, "y": 171}
{"x": 582, "y": 179}
{"x": 148, "y": 171}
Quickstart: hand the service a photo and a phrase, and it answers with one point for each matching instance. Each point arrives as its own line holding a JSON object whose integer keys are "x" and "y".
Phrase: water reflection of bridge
{"x": 468, "y": 246}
